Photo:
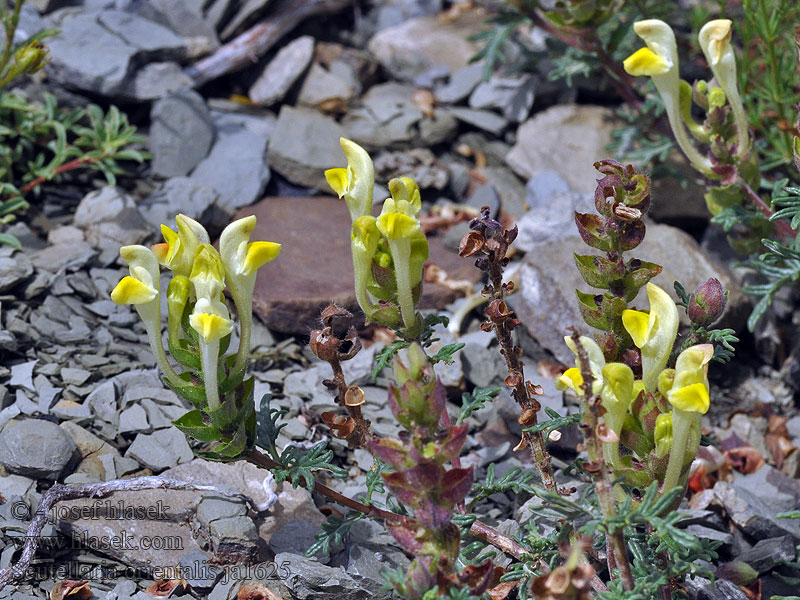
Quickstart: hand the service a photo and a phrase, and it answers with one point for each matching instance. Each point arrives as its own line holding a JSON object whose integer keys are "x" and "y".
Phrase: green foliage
{"x": 554, "y": 423}
{"x": 334, "y": 530}
{"x": 780, "y": 265}
{"x": 767, "y": 73}
{"x": 515, "y": 480}
{"x": 475, "y": 400}
{"x": 42, "y": 142}
{"x": 296, "y": 464}
{"x": 384, "y": 358}
{"x": 495, "y": 39}
{"x": 723, "y": 339}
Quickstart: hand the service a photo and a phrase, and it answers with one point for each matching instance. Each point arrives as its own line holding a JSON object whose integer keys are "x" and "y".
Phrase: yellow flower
{"x": 211, "y": 320}
{"x": 242, "y": 259}
{"x": 142, "y": 288}
{"x": 572, "y": 378}
{"x": 689, "y": 391}
{"x": 208, "y": 273}
{"x": 355, "y": 182}
{"x": 177, "y": 253}
{"x": 715, "y": 41}
{"x": 364, "y": 239}
{"x": 660, "y": 61}
{"x": 653, "y": 332}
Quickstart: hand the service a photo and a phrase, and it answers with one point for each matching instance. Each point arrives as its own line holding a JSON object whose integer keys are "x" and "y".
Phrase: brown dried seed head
{"x": 606, "y": 434}
{"x": 69, "y": 588}
{"x": 332, "y": 312}
{"x": 470, "y": 244}
{"x": 627, "y": 213}
{"x": 354, "y": 396}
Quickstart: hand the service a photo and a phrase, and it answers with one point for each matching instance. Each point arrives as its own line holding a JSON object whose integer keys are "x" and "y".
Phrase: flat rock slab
{"x": 567, "y": 139}
{"x": 315, "y": 266}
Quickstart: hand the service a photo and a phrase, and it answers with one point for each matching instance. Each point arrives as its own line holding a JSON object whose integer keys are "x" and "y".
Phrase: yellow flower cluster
{"x": 684, "y": 388}
{"x": 200, "y": 275}
{"x": 392, "y": 240}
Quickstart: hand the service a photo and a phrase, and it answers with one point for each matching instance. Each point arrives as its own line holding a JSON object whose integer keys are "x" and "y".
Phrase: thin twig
{"x": 245, "y": 50}
{"x": 68, "y": 166}
{"x": 781, "y": 226}
{"x": 61, "y": 492}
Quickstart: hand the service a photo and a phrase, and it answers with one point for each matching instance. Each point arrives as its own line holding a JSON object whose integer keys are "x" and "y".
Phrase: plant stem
{"x": 478, "y": 529}
{"x": 617, "y": 551}
{"x": 529, "y": 406}
{"x": 69, "y": 166}
{"x": 209, "y": 353}
{"x": 782, "y": 227}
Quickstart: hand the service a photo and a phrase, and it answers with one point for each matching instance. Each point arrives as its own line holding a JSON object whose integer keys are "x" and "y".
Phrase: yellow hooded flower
{"x": 242, "y": 259}
{"x": 355, "y": 182}
{"x": 715, "y": 41}
{"x": 572, "y": 378}
{"x": 659, "y": 60}
{"x": 178, "y": 250}
{"x": 653, "y": 332}
{"x": 689, "y": 391}
{"x": 689, "y": 397}
{"x": 399, "y": 224}
{"x": 364, "y": 239}
{"x": 142, "y": 288}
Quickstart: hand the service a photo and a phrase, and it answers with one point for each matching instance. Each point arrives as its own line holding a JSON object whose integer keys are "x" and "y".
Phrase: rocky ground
{"x": 81, "y": 401}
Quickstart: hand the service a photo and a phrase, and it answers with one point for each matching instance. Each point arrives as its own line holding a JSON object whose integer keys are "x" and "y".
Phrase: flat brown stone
{"x": 315, "y": 266}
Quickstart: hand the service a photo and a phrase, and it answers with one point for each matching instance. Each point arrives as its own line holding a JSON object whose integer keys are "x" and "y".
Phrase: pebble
{"x": 283, "y": 71}
{"x": 160, "y": 450}
{"x": 14, "y": 270}
{"x": 461, "y": 84}
{"x": 36, "y": 448}
{"x": 22, "y": 375}
{"x": 181, "y": 133}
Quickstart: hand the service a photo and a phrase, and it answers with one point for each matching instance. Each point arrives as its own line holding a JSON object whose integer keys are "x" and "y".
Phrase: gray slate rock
{"x": 248, "y": 9}
{"x": 482, "y": 119}
{"x": 160, "y": 450}
{"x": 512, "y": 95}
{"x": 22, "y": 375}
{"x": 295, "y": 537}
{"x": 304, "y": 144}
{"x": 14, "y": 270}
{"x": 36, "y": 448}
{"x": 157, "y": 79}
{"x": 181, "y": 133}
{"x": 99, "y": 51}
{"x": 722, "y": 589}
{"x": 227, "y": 522}
{"x": 766, "y": 554}
{"x": 388, "y": 118}
{"x": 567, "y": 139}
{"x": 236, "y": 168}
{"x": 461, "y": 84}
{"x": 185, "y": 18}
{"x": 283, "y": 71}
{"x": 198, "y": 570}
{"x": 179, "y": 195}
{"x": 311, "y": 580}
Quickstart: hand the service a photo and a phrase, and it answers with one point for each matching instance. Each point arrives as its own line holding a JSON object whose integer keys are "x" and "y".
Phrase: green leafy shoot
{"x": 384, "y": 358}
{"x": 788, "y": 199}
{"x": 268, "y": 426}
{"x": 515, "y": 480}
{"x": 334, "y": 531}
{"x": 298, "y": 464}
{"x": 475, "y": 400}
{"x": 555, "y": 423}
{"x": 495, "y": 39}
{"x": 780, "y": 265}
{"x": 375, "y": 481}
{"x": 445, "y": 353}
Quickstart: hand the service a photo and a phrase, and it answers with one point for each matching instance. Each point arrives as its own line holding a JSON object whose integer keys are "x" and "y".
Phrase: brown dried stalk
{"x": 326, "y": 346}
{"x": 597, "y": 468}
{"x": 491, "y": 242}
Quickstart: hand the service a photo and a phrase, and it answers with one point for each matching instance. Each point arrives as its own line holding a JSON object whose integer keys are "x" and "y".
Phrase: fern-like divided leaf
{"x": 299, "y": 464}
{"x": 555, "y": 423}
{"x": 780, "y": 265}
{"x": 475, "y": 400}
{"x": 334, "y": 530}
{"x": 515, "y": 480}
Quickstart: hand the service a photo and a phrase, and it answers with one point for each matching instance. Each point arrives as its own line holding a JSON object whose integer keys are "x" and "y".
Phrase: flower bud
{"x": 707, "y": 303}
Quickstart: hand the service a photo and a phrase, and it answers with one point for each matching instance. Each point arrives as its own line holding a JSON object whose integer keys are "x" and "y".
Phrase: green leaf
{"x": 193, "y": 425}
{"x": 475, "y": 400}
{"x": 7, "y": 238}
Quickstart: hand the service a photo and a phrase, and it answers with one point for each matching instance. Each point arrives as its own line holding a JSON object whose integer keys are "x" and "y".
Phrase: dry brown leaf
{"x": 745, "y": 459}
{"x": 72, "y": 589}
{"x": 164, "y": 588}
{"x": 256, "y": 591}
{"x": 502, "y": 590}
